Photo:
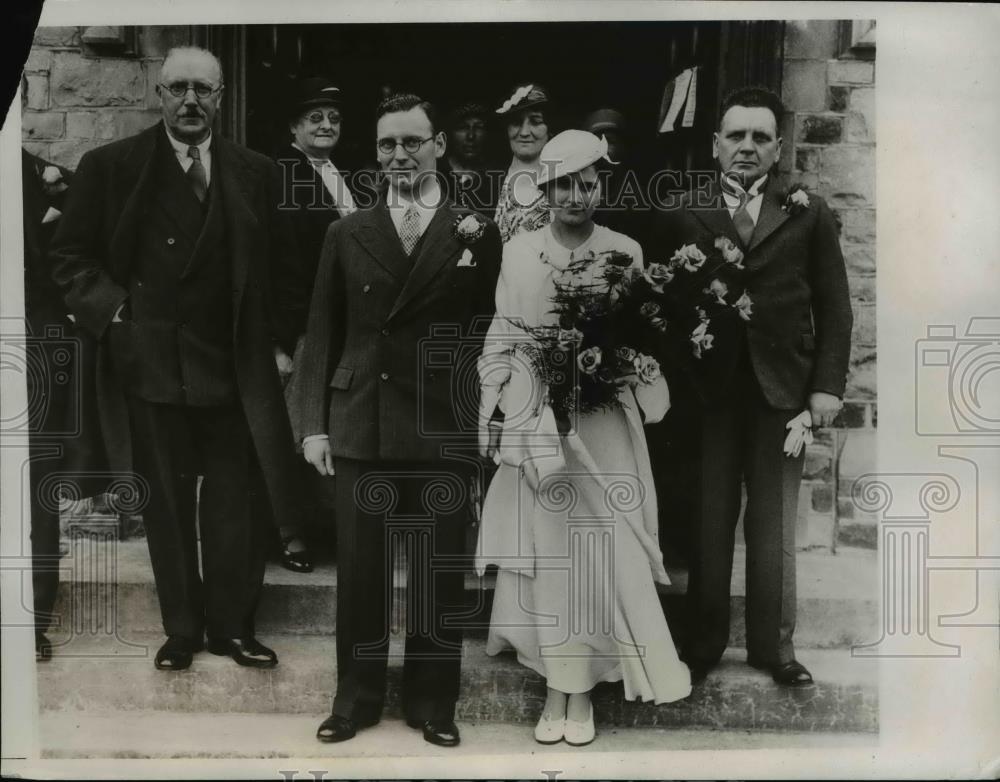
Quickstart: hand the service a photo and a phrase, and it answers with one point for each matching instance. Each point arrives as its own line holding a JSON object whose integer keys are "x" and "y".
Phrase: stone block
{"x": 68, "y": 152}
{"x": 129, "y": 122}
{"x": 803, "y": 85}
{"x": 39, "y": 61}
{"x": 822, "y": 499}
{"x": 57, "y": 36}
{"x": 816, "y": 39}
{"x": 819, "y": 129}
{"x": 857, "y": 131}
{"x": 848, "y": 175}
{"x": 818, "y": 463}
{"x": 862, "y": 378}
{"x": 864, "y": 324}
{"x": 851, "y": 72}
{"x": 38, "y": 91}
{"x": 856, "y": 225}
{"x": 152, "y": 67}
{"x": 47, "y": 124}
{"x": 862, "y": 101}
{"x": 156, "y": 41}
{"x": 862, "y": 289}
{"x": 860, "y": 258}
{"x": 857, "y": 535}
{"x": 81, "y": 124}
{"x": 77, "y": 81}
{"x": 807, "y": 159}
{"x": 851, "y": 416}
{"x": 837, "y": 98}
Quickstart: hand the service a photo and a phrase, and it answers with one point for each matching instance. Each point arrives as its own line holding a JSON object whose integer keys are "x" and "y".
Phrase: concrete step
{"x": 102, "y": 674}
{"x": 110, "y": 584}
{"x": 158, "y": 734}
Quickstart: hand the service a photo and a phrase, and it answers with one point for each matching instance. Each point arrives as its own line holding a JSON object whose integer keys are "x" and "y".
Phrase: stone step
{"x": 159, "y": 734}
{"x": 102, "y": 674}
{"x": 837, "y": 604}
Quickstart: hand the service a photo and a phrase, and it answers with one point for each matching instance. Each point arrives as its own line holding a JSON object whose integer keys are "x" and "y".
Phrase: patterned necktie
{"x": 196, "y": 174}
{"x": 741, "y": 217}
{"x": 409, "y": 230}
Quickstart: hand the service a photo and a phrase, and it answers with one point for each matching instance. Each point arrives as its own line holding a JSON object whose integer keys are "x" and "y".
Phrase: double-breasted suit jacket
{"x": 392, "y": 340}
{"x": 97, "y": 250}
{"x": 389, "y": 367}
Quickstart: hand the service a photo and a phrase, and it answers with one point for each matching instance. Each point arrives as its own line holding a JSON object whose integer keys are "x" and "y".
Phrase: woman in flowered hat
{"x": 522, "y": 207}
{"x": 570, "y": 519}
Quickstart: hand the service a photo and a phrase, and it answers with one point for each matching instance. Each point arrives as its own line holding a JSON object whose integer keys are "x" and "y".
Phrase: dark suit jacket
{"x": 43, "y": 304}
{"x": 92, "y": 257}
{"x": 311, "y": 211}
{"x": 799, "y": 334}
{"x": 391, "y": 348}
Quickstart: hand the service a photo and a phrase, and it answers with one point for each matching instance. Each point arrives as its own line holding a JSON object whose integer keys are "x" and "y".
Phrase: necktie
{"x": 409, "y": 230}
{"x": 196, "y": 174}
{"x": 741, "y": 217}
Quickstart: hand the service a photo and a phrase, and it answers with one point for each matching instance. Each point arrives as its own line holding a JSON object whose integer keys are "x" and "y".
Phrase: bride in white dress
{"x": 570, "y": 520}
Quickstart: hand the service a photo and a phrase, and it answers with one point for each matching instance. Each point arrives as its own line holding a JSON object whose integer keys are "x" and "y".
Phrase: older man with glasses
{"x": 164, "y": 255}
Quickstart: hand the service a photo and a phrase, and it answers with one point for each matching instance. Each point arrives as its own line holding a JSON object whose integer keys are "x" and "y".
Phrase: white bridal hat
{"x": 569, "y": 152}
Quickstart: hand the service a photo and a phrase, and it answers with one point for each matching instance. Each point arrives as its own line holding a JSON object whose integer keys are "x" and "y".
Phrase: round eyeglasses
{"x": 180, "y": 88}
{"x": 410, "y": 144}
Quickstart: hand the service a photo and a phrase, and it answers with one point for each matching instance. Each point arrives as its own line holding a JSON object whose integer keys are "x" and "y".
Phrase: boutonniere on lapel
{"x": 797, "y": 200}
{"x": 469, "y": 229}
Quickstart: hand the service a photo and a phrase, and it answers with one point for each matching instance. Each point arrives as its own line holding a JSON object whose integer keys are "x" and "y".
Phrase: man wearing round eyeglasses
{"x": 390, "y": 353}
{"x": 164, "y": 255}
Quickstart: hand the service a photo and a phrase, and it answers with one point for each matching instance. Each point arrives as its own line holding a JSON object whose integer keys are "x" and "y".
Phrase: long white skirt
{"x": 590, "y": 613}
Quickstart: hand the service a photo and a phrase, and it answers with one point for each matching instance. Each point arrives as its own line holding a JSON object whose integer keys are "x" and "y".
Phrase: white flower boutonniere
{"x": 469, "y": 228}
{"x": 796, "y": 201}
{"x": 52, "y": 180}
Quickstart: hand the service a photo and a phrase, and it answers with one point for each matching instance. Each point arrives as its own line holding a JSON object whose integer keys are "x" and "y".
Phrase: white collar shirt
{"x": 754, "y": 202}
{"x": 334, "y": 182}
{"x": 426, "y": 205}
{"x": 186, "y": 161}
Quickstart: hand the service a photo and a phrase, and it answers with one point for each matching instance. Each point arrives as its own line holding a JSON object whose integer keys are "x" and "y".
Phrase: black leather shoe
{"x": 176, "y": 653}
{"x": 245, "y": 651}
{"x": 699, "y": 672}
{"x": 336, "y": 728}
{"x": 791, "y": 674}
{"x": 444, "y": 733}
{"x": 296, "y": 561}
{"x": 43, "y": 648}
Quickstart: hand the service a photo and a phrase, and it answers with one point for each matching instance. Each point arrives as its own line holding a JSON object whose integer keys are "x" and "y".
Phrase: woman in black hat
{"x": 522, "y": 207}
{"x": 319, "y": 194}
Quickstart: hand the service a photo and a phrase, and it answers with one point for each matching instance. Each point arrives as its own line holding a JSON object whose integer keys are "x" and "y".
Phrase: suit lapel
{"x": 771, "y": 217}
{"x": 437, "y": 248}
{"x": 377, "y": 235}
{"x": 235, "y": 180}
{"x": 131, "y": 178}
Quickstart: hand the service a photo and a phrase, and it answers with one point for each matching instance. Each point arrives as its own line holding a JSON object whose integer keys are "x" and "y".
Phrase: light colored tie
{"x": 741, "y": 217}
{"x": 196, "y": 174}
{"x": 409, "y": 230}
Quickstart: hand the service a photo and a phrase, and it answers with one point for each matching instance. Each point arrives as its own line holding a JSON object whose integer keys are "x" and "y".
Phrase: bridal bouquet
{"x": 617, "y": 322}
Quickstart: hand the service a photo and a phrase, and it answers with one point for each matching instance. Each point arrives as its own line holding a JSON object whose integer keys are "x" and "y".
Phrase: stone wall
{"x": 828, "y": 87}
{"x": 81, "y": 96}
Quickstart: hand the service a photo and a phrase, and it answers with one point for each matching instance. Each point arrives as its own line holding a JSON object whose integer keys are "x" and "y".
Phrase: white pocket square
{"x": 51, "y": 216}
{"x": 466, "y": 259}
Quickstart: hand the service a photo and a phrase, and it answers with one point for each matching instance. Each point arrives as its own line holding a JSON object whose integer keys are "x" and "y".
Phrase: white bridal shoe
{"x": 578, "y": 734}
{"x": 549, "y": 730}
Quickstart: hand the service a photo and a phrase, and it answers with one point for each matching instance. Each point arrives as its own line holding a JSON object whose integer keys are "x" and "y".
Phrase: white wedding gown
{"x": 571, "y": 522}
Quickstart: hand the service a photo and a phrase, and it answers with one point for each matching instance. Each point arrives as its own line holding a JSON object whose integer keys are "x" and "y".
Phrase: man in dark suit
{"x": 164, "y": 254}
{"x": 792, "y": 356}
{"x": 43, "y": 187}
{"x": 400, "y": 290}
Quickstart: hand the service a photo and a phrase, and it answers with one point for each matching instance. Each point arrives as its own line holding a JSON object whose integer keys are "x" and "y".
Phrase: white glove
{"x": 799, "y": 434}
